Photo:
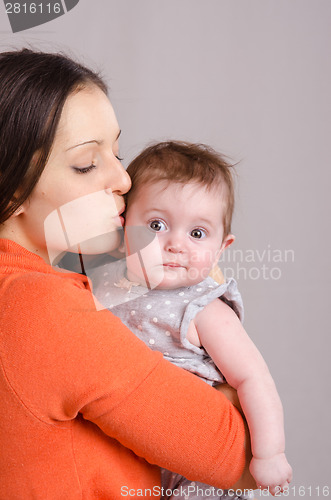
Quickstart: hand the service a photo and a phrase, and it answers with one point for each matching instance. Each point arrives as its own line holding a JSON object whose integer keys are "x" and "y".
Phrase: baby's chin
{"x": 172, "y": 281}
{"x": 161, "y": 278}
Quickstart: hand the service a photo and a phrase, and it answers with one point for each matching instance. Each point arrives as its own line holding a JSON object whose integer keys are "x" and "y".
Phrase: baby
{"x": 178, "y": 222}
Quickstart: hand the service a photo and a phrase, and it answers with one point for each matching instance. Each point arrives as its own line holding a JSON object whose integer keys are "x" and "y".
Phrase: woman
{"x": 82, "y": 399}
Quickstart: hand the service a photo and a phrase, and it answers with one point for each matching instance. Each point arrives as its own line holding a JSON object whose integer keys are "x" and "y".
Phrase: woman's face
{"x": 78, "y": 198}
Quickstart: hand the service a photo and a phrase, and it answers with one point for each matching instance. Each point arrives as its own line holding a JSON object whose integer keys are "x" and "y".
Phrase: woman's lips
{"x": 118, "y": 220}
{"x": 120, "y": 216}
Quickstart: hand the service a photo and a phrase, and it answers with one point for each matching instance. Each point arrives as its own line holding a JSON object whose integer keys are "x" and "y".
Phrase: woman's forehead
{"x": 87, "y": 116}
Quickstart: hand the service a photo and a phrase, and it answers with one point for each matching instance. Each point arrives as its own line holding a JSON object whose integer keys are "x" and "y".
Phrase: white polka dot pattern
{"x": 160, "y": 318}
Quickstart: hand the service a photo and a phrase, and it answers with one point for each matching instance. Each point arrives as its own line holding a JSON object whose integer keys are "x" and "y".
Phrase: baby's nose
{"x": 175, "y": 244}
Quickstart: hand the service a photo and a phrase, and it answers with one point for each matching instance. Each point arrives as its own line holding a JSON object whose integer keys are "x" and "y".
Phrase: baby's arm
{"x": 222, "y": 335}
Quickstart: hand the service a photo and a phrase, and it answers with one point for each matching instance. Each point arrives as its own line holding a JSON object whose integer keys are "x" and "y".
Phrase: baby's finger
{"x": 284, "y": 486}
{"x": 275, "y": 490}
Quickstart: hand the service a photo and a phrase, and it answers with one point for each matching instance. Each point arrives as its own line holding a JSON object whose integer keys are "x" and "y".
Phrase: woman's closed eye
{"x": 84, "y": 170}
{"x": 157, "y": 225}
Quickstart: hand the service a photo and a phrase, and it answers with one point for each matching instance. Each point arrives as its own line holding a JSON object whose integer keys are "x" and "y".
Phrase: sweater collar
{"x": 15, "y": 258}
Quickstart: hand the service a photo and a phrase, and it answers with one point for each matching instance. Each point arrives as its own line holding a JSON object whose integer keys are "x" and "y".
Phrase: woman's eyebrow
{"x": 85, "y": 142}
{"x": 91, "y": 142}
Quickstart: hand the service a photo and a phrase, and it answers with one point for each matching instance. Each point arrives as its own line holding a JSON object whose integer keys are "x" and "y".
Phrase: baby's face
{"x": 185, "y": 224}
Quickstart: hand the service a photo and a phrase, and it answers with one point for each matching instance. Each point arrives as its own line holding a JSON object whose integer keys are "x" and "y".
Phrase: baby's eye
{"x": 198, "y": 233}
{"x": 157, "y": 225}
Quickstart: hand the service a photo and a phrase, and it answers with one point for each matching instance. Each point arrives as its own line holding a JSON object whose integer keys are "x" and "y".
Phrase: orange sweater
{"x": 82, "y": 398}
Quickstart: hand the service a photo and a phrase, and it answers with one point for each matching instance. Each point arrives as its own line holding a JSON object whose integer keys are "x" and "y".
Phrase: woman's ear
{"x": 21, "y": 209}
{"x": 18, "y": 211}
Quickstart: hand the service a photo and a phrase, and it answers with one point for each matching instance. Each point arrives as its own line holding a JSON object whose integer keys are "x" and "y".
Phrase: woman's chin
{"x": 104, "y": 243}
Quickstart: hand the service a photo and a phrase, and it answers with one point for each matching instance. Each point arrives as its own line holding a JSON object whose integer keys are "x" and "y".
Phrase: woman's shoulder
{"x": 38, "y": 291}
{"x": 23, "y": 272}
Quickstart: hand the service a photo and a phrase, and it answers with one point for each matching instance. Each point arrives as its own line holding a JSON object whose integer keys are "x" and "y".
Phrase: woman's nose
{"x": 119, "y": 181}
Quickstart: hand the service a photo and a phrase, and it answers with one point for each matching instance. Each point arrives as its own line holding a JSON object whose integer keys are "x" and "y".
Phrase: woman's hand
{"x": 231, "y": 394}
{"x": 246, "y": 481}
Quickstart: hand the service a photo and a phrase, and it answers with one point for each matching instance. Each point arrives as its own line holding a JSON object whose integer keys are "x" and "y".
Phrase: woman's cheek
{"x": 90, "y": 222}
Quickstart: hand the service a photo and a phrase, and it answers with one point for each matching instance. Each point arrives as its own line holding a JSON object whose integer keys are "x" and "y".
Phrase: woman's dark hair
{"x": 33, "y": 89}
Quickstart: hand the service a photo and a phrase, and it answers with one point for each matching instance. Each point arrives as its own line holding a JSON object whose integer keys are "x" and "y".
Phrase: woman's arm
{"x": 244, "y": 368}
{"x": 70, "y": 359}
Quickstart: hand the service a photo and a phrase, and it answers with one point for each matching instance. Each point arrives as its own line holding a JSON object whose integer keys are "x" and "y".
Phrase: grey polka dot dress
{"x": 161, "y": 317}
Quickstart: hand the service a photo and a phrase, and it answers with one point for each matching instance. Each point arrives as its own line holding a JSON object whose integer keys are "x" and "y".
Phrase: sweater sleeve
{"x": 64, "y": 358}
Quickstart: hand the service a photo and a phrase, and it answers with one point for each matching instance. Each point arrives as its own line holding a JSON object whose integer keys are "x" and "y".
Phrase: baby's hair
{"x": 183, "y": 162}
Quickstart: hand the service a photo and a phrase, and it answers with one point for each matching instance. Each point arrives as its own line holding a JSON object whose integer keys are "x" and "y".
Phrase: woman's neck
{"x": 12, "y": 231}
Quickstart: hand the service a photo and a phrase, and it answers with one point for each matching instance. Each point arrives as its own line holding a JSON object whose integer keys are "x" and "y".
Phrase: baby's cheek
{"x": 207, "y": 261}
{"x": 202, "y": 267}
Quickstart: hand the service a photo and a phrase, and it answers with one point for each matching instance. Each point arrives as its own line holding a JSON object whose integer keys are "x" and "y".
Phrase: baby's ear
{"x": 228, "y": 240}
{"x": 216, "y": 272}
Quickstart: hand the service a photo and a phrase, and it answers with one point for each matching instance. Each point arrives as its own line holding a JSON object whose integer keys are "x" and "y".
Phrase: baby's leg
{"x": 176, "y": 486}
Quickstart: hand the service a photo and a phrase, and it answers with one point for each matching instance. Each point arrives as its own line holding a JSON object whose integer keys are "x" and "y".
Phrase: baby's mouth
{"x": 172, "y": 265}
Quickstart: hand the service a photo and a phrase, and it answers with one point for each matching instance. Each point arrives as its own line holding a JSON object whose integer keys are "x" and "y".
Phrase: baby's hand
{"x": 273, "y": 473}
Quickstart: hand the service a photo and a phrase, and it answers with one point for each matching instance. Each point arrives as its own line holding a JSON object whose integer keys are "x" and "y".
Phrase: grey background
{"x": 252, "y": 78}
